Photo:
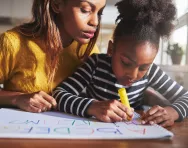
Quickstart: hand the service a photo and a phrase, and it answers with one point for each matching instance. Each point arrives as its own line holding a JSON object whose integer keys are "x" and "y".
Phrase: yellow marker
{"x": 124, "y": 99}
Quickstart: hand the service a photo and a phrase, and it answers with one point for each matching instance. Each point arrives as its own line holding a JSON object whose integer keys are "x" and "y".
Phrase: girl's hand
{"x": 159, "y": 115}
{"x": 109, "y": 111}
{"x": 35, "y": 102}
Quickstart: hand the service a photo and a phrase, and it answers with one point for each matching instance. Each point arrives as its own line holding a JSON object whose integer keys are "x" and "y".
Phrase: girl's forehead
{"x": 135, "y": 48}
{"x": 129, "y": 43}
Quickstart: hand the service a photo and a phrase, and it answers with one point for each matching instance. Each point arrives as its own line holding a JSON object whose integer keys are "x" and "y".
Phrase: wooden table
{"x": 180, "y": 140}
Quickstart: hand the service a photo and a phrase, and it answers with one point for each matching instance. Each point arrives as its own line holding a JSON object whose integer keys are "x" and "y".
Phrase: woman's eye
{"x": 85, "y": 11}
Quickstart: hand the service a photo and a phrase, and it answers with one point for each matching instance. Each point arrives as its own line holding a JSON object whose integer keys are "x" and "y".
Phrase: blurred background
{"x": 14, "y": 12}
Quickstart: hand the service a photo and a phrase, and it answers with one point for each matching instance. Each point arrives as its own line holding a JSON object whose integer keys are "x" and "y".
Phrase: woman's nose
{"x": 94, "y": 20}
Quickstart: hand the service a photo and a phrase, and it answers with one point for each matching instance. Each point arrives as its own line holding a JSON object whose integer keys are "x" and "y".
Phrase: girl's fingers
{"x": 160, "y": 119}
{"x": 167, "y": 123}
{"x": 105, "y": 118}
{"x": 154, "y": 109}
{"x": 115, "y": 113}
{"x": 120, "y": 113}
{"x": 114, "y": 117}
{"x": 152, "y": 114}
{"x": 126, "y": 110}
{"x": 159, "y": 113}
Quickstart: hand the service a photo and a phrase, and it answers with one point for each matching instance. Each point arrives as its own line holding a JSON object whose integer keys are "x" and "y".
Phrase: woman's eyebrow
{"x": 91, "y": 4}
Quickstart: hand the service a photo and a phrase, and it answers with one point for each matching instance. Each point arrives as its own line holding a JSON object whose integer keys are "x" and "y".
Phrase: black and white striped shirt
{"x": 97, "y": 77}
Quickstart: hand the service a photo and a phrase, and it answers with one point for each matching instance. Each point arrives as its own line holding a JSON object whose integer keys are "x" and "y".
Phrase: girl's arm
{"x": 170, "y": 89}
{"x": 67, "y": 92}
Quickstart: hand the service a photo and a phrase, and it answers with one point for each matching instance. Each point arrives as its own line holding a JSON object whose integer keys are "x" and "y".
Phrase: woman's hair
{"x": 145, "y": 20}
{"x": 44, "y": 25}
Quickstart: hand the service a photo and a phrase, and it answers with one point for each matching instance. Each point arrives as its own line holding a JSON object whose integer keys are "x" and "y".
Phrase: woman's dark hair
{"x": 145, "y": 20}
{"x": 44, "y": 25}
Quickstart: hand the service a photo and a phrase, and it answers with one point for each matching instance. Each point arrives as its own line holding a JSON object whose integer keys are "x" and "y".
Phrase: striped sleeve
{"x": 67, "y": 92}
{"x": 171, "y": 90}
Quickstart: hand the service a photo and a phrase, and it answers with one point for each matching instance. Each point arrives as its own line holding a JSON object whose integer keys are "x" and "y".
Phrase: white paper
{"x": 57, "y": 125}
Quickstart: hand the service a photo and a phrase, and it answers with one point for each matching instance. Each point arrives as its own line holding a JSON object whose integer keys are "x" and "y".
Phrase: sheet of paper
{"x": 57, "y": 125}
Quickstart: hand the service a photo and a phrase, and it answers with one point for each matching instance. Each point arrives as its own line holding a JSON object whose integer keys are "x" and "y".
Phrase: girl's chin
{"x": 128, "y": 84}
{"x": 125, "y": 83}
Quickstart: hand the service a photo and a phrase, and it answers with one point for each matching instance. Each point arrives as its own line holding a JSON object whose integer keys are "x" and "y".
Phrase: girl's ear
{"x": 56, "y": 5}
{"x": 110, "y": 48}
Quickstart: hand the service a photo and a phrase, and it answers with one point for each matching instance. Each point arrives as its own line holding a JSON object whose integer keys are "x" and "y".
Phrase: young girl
{"x": 129, "y": 64}
{"x": 36, "y": 56}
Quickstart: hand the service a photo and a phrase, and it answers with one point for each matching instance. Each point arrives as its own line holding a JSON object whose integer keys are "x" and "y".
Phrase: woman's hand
{"x": 109, "y": 111}
{"x": 35, "y": 102}
{"x": 159, "y": 115}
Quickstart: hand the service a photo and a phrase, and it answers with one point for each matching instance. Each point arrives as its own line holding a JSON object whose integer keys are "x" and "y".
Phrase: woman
{"x": 36, "y": 56}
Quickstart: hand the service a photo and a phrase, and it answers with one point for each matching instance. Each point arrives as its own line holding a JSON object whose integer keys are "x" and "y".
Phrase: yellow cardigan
{"x": 23, "y": 63}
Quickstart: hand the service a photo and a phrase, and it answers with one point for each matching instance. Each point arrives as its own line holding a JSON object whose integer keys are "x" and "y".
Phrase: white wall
{"x": 15, "y": 8}
{"x": 5, "y": 8}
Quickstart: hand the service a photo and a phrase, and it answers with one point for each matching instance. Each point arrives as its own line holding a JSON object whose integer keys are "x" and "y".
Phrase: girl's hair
{"x": 145, "y": 20}
{"x": 44, "y": 25}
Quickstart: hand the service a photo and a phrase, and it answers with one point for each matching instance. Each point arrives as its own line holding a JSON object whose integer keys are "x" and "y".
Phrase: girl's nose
{"x": 133, "y": 74}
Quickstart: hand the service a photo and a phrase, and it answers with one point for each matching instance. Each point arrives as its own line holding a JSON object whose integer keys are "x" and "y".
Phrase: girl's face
{"x": 131, "y": 60}
{"x": 79, "y": 19}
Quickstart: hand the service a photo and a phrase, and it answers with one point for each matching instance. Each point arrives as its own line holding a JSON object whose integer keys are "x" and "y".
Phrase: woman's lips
{"x": 88, "y": 34}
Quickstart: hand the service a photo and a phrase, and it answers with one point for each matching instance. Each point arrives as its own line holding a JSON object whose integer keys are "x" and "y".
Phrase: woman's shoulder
{"x": 8, "y": 40}
{"x": 13, "y": 39}
{"x": 15, "y": 34}
{"x": 12, "y": 34}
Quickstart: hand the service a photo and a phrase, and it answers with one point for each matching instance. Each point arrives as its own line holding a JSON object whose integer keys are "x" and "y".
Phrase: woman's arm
{"x": 8, "y": 98}
{"x": 33, "y": 102}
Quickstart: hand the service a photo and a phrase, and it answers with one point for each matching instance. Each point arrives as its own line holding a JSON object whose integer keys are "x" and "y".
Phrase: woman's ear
{"x": 110, "y": 48}
{"x": 56, "y": 5}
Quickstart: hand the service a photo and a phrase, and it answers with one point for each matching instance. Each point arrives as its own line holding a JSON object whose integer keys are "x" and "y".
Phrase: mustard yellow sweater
{"x": 23, "y": 63}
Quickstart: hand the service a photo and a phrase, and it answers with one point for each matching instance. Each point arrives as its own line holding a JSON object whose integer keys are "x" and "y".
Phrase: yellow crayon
{"x": 124, "y": 99}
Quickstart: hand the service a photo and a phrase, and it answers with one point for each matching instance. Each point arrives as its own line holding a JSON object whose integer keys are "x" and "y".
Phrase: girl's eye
{"x": 126, "y": 64}
{"x": 143, "y": 68}
{"x": 100, "y": 14}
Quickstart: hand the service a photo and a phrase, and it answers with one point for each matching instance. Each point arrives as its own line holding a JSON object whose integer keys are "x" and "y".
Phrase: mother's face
{"x": 79, "y": 19}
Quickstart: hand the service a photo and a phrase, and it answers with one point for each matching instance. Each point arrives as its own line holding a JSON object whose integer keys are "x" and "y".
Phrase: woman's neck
{"x": 65, "y": 38}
